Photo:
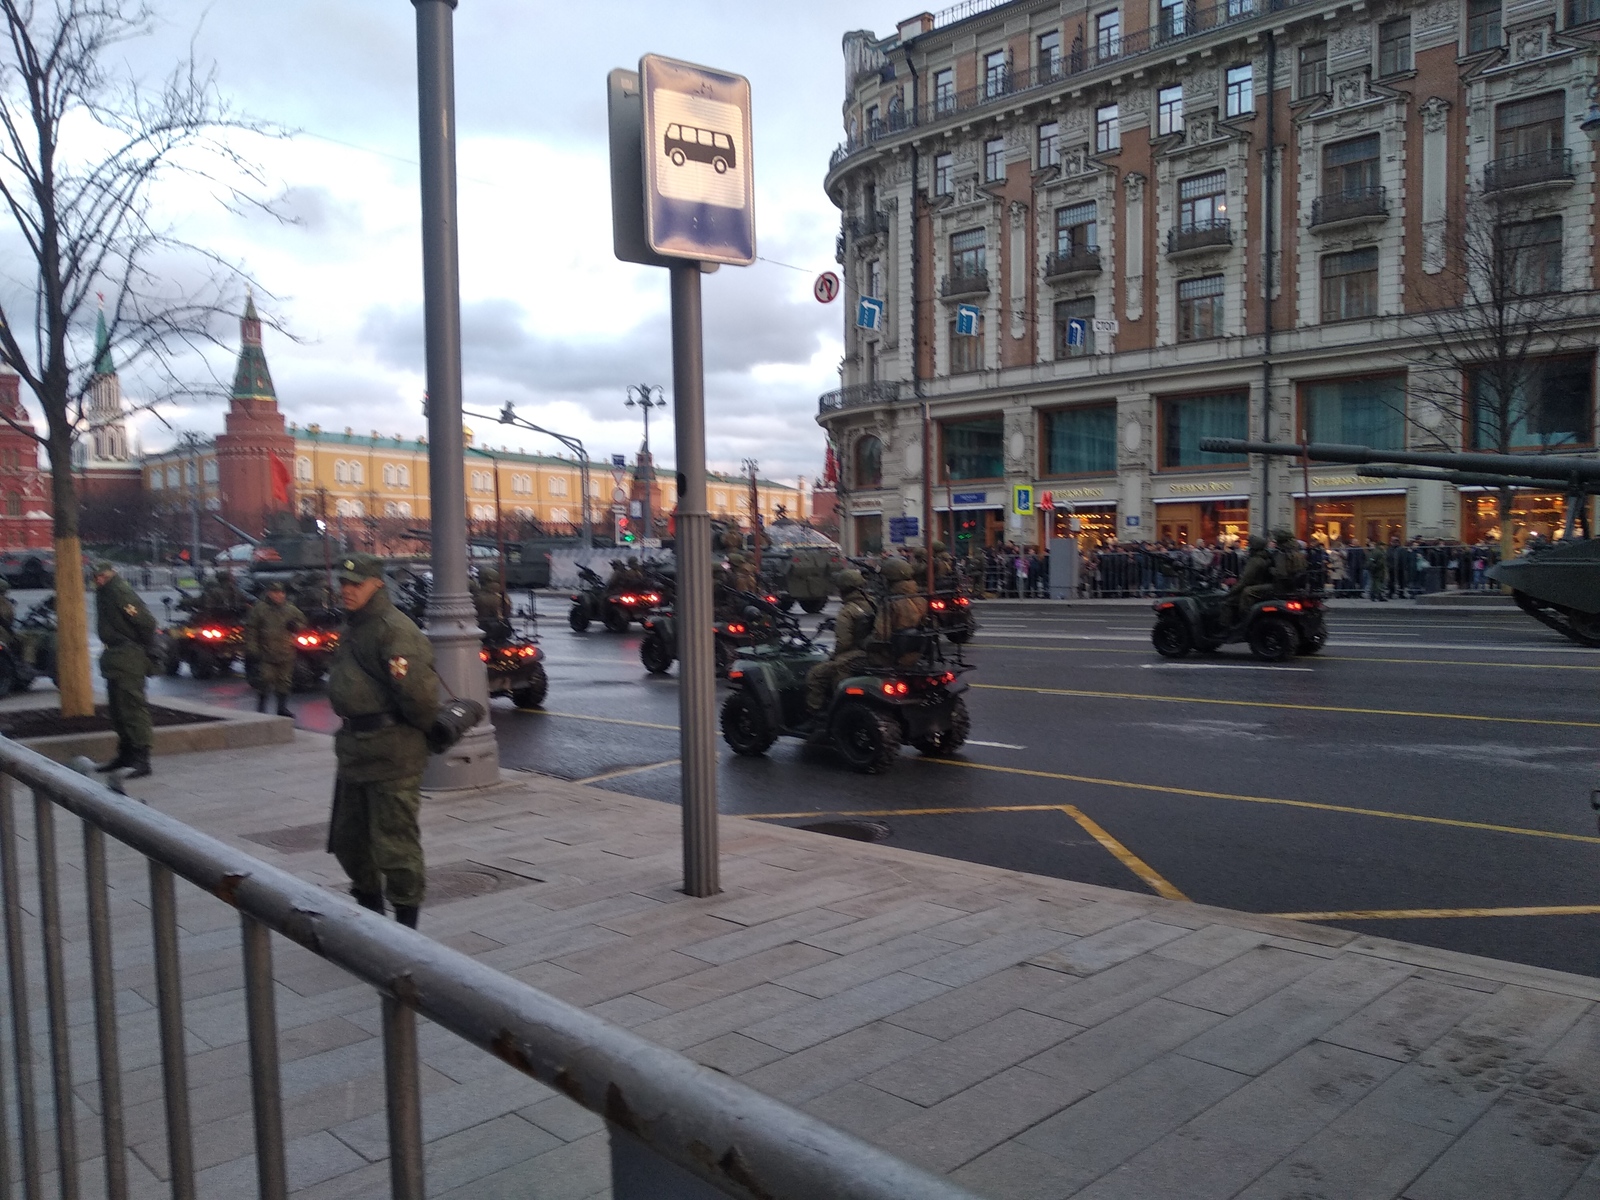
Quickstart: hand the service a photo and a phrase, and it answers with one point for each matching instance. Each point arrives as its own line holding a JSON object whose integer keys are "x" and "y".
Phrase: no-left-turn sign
{"x": 826, "y": 289}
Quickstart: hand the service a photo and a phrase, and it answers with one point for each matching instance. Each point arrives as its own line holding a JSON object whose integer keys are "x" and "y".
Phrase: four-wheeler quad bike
{"x": 658, "y": 649}
{"x": 314, "y": 648}
{"x": 953, "y": 616}
{"x": 615, "y": 610}
{"x": 32, "y": 649}
{"x": 870, "y": 713}
{"x": 1276, "y": 629}
{"x": 516, "y": 666}
{"x": 209, "y": 641}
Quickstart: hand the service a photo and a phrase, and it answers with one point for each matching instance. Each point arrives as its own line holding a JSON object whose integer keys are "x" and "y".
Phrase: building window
{"x": 1545, "y": 404}
{"x": 875, "y": 279}
{"x": 944, "y": 175}
{"x": 1202, "y": 201}
{"x": 1076, "y": 229}
{"x": 994, "y": 160}
{"x": 403, "y": 473}
{"x": 1350, "y": 285}
{"x": 1049, "y": 59}
{"x": 1169, "y": 110}
{"x": 1394, "y": 46}
{"x": 1350, "y": 169}
{"x": 966, "y": 350}
{"x": 1581, "y": 12}
{"x": 1108, "y": 130}
{"x": 1356, "y": 412}
{"x": 522, "y": 485}
{"x": 872, "y": 121}
{"x": 1530, "y": 129}
{"x": 1483, "y": 25}
{"x": 1073, "y": 340}
{"x": 1313, "y": 69}
{"x": 208, "y": 470}
{"x": 1081, "y": 441}
{"x": 190, "y": 475}
{"x": 1186, "y": 420}
{"x": 388, "y": 475}
{"x": 1173, "y": 22}
{"x": 967, "y": 254}
{"x": 355, "y": 472}
{"x": 173, "y": 478}
{"x": 1108, "y": 34}
{"x": 944, "y": 91}
{"x": 996, "y": 81}
{"x": 869, "y": 463}
{"x": 1241, "y": 97}
{"x": 302, "y": 468}
{"x": 1530, "y": 256}
{"x": 973, "y": 449}
{"x": 13, "y": 504}
{"x": 558, "y": 485}
{"x": 1200, "y": 308}
{"x": 1049, "y": 145}
{"x": 561, "y": 516}
{"x": 155, "y": 480}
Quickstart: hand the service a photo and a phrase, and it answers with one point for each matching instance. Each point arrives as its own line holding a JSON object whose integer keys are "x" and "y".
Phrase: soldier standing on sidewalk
{"x": 382, "y": 683}
{"x": 269, "y": 647}
{"x": 125, "y": 627}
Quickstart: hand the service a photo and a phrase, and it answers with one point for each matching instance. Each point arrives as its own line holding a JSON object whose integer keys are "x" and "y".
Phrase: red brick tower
{"x": 255, "y": 436}
{"x": 25, "y": 507}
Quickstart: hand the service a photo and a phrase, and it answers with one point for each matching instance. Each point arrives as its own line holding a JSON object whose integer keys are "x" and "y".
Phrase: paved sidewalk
{"x": 1031, "y": 1037}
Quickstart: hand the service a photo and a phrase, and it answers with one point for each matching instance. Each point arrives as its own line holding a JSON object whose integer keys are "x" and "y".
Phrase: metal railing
{"x": 1349, "y": 205}
{"x": 971, "y": 283}
{"x": 858, "y": 395}
{"x": 868, "y": 226}
{"x": 1200, "y": 235}
{"x": 1080, "y": 260}
{"x": 1521, "y": 170}
{"x": 676, "y": 1128}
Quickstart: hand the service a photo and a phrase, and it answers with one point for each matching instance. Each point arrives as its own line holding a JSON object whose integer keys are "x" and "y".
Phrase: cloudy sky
{"x": 551, "y": 320}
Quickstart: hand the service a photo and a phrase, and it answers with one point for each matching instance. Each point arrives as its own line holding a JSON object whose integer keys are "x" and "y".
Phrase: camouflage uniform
{"x": 8, "y": 618}
{"x": 486, "y": 600}
{"x": 1289, "y": 566}
{"x": 125, "y": 627}
{"x": 744, "y": 573}
{"x": 269, "y": 648}
{"x": 382, "y": 683}
{"x": 1254, "y": 584}
{"x": 849, "y": 652}
{"x": 223, "y": 594}
{"x": 904, "y": 609}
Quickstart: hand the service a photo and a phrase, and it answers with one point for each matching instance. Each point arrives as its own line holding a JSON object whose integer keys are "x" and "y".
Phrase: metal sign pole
{"x": 697, "y": 677}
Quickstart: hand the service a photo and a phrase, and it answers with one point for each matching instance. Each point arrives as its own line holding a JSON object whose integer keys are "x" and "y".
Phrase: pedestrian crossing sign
{"x": 1022, "y": 500}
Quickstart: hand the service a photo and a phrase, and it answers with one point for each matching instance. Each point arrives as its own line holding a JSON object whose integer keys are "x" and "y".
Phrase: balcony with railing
{"x": 1064, "y": 264}
{"x": 1538, "y": 169}
{"x": 967, "y": 283}
{"x": 1350, "y": 204}
{"x": 1210, "y": 234}
{"x": 871, "y": 225}
{"x": 860, "y": 395}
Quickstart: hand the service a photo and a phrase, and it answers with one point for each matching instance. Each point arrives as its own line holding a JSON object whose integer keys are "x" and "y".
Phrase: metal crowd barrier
{"x": 678, "y": 1131}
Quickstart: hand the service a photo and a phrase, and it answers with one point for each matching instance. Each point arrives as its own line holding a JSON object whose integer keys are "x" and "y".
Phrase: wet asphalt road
{"x": 1430, "y": 771}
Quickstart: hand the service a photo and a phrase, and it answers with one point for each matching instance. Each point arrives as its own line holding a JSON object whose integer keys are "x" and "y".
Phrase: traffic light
{"x": 625, "y": 532}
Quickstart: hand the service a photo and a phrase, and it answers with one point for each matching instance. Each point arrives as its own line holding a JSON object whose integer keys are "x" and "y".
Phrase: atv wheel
{"x": 950, "y": 740}
{"x": 616, "y": 618}
{"x": 173, "y": 663}
{"x": 786, "y": 604}
{"x": 1172, "y": 637}
{"x": 868, "y": 740}
{"x": 745, "y": 727}
{"x": 305, "y": 677}
{"x": 724, "y": 652}
{"x": 8, "y": 676}
{"x": 578, "y": 618}
{"x": 813, "y": 605}
{"x": 532, "y": 693}
{"x": 202, "y": 665}
{"x": 1314, "y": 640}
{"x": 654, "y": 654}
{"x": 1273, "y": 639}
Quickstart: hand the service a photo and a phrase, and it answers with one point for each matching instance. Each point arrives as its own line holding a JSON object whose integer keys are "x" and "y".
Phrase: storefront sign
{"x": 1200, "y": 489}
{"x": 1082, "y": 493}
{"x": 972, "y": 499}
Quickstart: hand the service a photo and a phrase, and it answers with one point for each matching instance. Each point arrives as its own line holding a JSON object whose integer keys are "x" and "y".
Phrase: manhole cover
{"x": 465, "y": 880}
{"x": 860, "y": 831}
{"x": 294, "y": 840}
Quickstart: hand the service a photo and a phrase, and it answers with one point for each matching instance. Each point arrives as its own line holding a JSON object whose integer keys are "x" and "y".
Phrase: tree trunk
{"x": 74, "y": 679}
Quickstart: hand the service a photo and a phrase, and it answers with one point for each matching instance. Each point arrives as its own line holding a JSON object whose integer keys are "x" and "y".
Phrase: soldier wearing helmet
{"x": 904, "y": 608}
{"x": 852, "y": 628}
{"x": 1254, "y": 583}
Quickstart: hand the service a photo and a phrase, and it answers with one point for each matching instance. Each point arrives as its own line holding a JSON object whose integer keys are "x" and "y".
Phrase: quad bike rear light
{"x": 1294, "y": 606}
{"x": 895, "y": 687}
{"x": 212, "y": 634}
{"x": 736, "y": 629}
{"x": 309, "y": 640}
{"x": 937, "y": 605}
{"x": 735, "y": 674}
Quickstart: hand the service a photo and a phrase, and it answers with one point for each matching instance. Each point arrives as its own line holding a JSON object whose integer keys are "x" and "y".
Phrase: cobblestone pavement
{"x": 1033, "y": 1037}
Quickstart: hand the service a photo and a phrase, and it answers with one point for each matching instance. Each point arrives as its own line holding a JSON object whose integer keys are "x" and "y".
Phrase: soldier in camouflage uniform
{"x": 223, "y": 594}
{"x": 269, "y": 647}
{"x": 126, "y": 628}
{"x": 486, "y": 601}
{"x": 382, "y": 683}
{"x": 744, "y": 572}
{"x": 851, "y": 629}
{"x": 903, "y": 609}
{"x": 8, "y": 619}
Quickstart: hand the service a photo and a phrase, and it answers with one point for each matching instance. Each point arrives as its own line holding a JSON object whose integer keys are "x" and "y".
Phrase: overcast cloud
{"x": 551, "y": 321}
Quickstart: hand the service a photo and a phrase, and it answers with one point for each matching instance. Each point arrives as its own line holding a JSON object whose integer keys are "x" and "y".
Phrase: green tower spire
{"x": 252, "y": 380}
{"x": 102, "y": 347}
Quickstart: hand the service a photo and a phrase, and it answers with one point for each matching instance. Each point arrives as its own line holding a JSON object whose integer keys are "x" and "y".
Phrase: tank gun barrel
{"x": 1476, "y": 478}
{"x": 1528, "y": 466}
{"x": 234, "y": 529}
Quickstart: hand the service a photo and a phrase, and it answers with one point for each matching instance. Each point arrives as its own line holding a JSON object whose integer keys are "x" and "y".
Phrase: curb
{"x": 229, "y": 729}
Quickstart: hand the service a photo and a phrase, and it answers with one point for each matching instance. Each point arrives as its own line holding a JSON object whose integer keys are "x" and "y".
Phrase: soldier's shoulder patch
{"x": 131, "y": 609}
{"x": 398, "y": 666}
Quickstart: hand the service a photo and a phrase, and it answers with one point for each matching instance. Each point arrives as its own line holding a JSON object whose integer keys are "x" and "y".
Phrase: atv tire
{"x": 1313, "y": 642}
{"x": 1172, "y": 637}
{"x": 305, "y": 677}
{"x": 1273, "y": 639}
{"x": 724, "y": 652}
{"x": 202, "y": 665}
{"x": 745, "y": 726}
{"x": 616, "y": 618}
{"x": 532, "y": 693}
{"x": 950, "y": 740}
{"x": 654, "y": 653}
{"x": 814, "y": 605}
{"x": 578, "y": 618}
{"x": 173, "y": 662}
{"x": 867, "y": 739}
{"x": 786, "y": 604}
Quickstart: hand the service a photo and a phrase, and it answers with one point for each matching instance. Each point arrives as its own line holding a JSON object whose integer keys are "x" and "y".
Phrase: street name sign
{"x": 902, "y": 528}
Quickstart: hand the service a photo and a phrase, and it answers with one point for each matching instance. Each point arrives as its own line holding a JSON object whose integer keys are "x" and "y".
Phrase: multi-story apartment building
{"x": 1101, "y": 230}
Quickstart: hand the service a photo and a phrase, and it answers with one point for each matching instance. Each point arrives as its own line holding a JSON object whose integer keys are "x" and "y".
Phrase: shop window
{"x": 1350, "y": 285}
{"x": 1483, "y": 25}
{"x": 1536, "y": 407}
{"x": 1187, "y": 419}
{"x": 1357, "y": 412}
{"x": 1072, "y": 341}
{"x": 973, "y": 449}
{"x": 1394, "y": 46}
{"x": 1530, "y": 256}
{"x": 869, "y": 462}
{"x": 1313, "y": 69}
{"x": 1081, "y": 441}
{"x": 1200, "y": 308}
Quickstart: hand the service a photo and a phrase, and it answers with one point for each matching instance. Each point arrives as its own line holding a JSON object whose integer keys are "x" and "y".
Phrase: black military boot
{"x": 283, "y": 707}
{"x": 372, "y": 900}
{"x": 122, "y": 759}
{"x": 261, "y": 702}
{"x": 139, "y": 760}
{"x": 407, "y": 914}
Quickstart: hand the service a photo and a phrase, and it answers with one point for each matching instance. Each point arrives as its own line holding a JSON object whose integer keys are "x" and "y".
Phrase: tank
{"x": 1559, "y": 584}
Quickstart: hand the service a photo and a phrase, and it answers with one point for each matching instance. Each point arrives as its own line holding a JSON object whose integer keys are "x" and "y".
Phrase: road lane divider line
{"x": 995, "y": 745}
{"x": 1341, "y": 641}
{"x": 1429, "y": 914}
{"x": 1325, "y": 708}
{"x": 1163, "y": 789}
{"x": 1152, "y": 878}
{"x": 1417, "y": 662}
{"x": 622, "y": 771}
{"x": 1168, "y": 666}
{"x": 545, "y": 712}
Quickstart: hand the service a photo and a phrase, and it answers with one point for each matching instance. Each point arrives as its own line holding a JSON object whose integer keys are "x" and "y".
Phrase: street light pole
{"x": 753, "y": 469}
{"x": 508, "y": 416}
{"x": 647, "y": 468}
{"x": 474, "y": 761}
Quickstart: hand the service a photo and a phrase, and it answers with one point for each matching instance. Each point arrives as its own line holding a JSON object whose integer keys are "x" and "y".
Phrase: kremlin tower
{"x": 255, "y": 455}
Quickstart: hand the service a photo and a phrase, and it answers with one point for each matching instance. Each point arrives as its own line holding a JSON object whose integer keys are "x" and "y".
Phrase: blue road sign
{"x": 1077, "y": 332}
{"x": 619, "y": 460}
{"x": 869, "y": 313}
{"x": 1133, "y": 522}
{"x": 976, "y": 498}
{"x": 967, "y": 318}
{"x": 902, "y": 528}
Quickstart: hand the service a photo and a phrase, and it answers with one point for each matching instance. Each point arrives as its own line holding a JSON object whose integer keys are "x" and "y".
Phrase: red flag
{"x": 280, "y": 480}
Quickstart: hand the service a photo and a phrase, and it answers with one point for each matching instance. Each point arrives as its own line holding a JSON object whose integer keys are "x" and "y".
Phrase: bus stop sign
{"x": 699, "y": 188}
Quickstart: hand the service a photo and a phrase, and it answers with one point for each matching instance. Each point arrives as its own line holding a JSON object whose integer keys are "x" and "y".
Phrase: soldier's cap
{"x": 1257, "y": 542}
{"x": 275, "y": 585}
{"x": 358, "y": 567}
{"x": 1282, "y": 535}
{"x": 850, "y": 579}
{"x": 488, "y": 575}
{"x": 105, "y": 567}
{"x": 898, "y": 570}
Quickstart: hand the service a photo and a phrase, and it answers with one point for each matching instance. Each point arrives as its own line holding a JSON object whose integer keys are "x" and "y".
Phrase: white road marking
{"x": 1335, "y": 643}
{"x": 1217, "y": 667}
{"x": 995, "y": 745}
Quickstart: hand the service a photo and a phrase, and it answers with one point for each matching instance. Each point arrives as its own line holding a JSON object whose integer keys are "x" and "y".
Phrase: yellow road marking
{"x": 1152, "y": 878}
{"x": 1416, "y": 662}
{"x": 1402, "y": 914}
{"x": 1327, "y": 708}
{"x": 618, "y": 774}
{"x": 602, "y": 720}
